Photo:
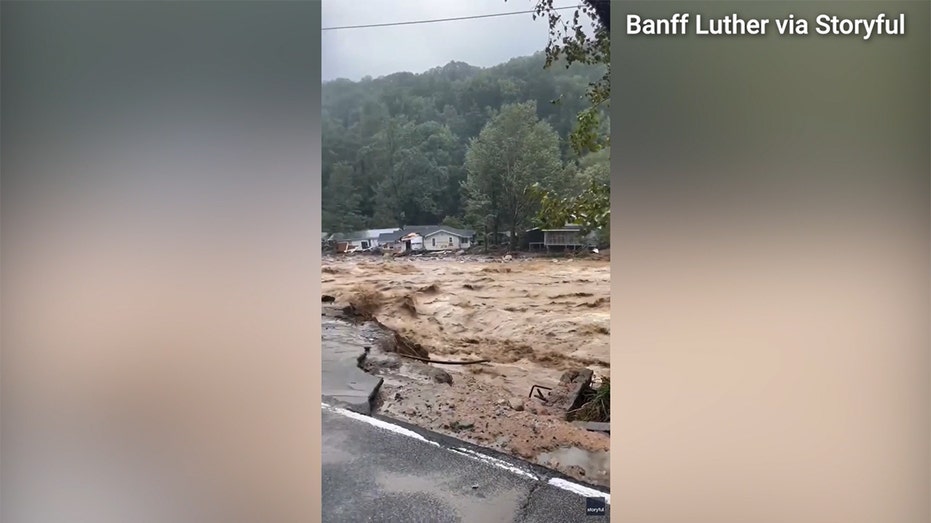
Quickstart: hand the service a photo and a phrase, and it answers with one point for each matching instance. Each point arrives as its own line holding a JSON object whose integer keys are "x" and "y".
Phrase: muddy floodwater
{"x": 532, "y": 319}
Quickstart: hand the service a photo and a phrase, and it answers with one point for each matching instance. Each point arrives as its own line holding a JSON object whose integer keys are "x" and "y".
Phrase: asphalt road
{"x": 378, "y": 475}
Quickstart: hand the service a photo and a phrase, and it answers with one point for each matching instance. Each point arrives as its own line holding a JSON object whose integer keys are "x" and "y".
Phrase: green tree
{"x": 569, "y": 43}
{"x": 590, "y": 209}
{"x": 414, "y": 162}
{"x": 514, "y": 152}
{"x": 341, "y": 201}
{"x": 423, "y": 124}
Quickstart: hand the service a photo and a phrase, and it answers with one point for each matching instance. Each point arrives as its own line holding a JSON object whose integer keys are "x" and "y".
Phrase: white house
{"x": 427, "y": 238}
{"x": 445, "y": 240}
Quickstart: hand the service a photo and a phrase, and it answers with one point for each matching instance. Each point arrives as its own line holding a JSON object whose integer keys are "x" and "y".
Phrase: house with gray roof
{"x": 427, "y": 238}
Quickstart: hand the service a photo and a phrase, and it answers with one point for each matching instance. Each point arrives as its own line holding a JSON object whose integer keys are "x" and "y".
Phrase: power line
{"x": 413, "y": 22}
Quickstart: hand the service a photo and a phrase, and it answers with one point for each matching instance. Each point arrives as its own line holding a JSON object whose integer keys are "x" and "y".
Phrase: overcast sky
{"x": 379, "y": 51}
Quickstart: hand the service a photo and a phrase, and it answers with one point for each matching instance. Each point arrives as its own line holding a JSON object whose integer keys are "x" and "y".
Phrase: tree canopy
{"x": 500, "y": 148}
{"x": 458, "y": 144}
{"x": 570, "y": 44}
{"x": 513, "y": 153}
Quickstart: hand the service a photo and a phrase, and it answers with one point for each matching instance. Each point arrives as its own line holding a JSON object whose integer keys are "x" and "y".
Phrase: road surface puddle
{"x": 596, "y": 466}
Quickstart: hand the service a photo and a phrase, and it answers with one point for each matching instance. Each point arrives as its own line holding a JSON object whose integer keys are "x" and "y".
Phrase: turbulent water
{"x": 531, "y": 319}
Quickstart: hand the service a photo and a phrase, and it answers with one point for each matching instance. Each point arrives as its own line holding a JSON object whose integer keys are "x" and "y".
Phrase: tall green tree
{"x": 570, "y": 43}
{"x": 341, "y": 201}
{"x": 514, "y": 152}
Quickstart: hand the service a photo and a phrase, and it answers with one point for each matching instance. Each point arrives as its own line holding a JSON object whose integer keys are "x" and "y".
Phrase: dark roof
{"x": 351, "y": 236}
{"x": 424, "y": 230}
{"x": 567, "y": 227}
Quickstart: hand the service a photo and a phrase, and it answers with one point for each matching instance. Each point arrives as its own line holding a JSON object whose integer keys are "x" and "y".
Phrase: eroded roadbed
{"x": 454, "y": 405}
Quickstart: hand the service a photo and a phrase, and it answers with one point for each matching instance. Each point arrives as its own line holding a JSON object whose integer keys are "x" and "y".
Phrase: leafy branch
{"x": 591, "y": 209}
{"x": 569, "y": 42}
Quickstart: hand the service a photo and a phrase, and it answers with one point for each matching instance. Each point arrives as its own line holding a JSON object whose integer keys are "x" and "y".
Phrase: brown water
{"x": 532, "y": 319}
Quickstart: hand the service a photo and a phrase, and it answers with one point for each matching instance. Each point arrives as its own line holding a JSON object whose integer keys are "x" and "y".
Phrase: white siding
{"x": 361, "y": 244}
{"x": 441, "y": 241}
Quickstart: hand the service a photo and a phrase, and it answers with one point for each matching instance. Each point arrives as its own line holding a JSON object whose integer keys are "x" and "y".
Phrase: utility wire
{"x": 413, "y": 22}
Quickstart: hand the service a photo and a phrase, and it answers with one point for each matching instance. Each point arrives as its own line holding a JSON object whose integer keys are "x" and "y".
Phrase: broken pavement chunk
{"x": 567, "y": 395}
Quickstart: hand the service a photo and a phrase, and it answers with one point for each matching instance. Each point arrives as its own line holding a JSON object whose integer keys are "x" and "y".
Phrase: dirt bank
{"x": 532, "y": 319}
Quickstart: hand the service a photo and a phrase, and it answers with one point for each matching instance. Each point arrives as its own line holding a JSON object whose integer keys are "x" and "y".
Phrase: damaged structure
{"x": 426, "y": 238}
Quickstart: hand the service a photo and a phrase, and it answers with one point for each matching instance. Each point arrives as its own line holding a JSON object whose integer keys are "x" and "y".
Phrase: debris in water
{"x": 429, "y": 289}
{"x": 366, "y": 300}
{"x": 573, "y": 383}
{"x": 442, "y": 362}
{"x": 406, "y": 347}
{"x": 407, "y": 303}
